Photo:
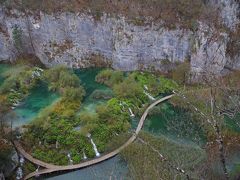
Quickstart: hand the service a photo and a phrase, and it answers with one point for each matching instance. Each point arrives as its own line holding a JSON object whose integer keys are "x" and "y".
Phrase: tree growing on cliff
{"x": 17, "y": 38}
{"x": 213, "y": 105}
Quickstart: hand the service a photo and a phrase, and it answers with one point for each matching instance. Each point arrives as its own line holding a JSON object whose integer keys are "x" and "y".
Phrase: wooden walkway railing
{"x": 54, "y": 168}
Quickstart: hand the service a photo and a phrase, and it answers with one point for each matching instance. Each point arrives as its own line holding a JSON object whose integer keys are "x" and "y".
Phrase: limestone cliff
{"x": 77, "y": 39}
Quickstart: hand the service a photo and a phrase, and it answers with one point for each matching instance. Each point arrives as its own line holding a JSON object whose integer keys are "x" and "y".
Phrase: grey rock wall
{"x": 230, "y": 11}
{"x": 71, "y": 39}
{"x": 210, "y": 51}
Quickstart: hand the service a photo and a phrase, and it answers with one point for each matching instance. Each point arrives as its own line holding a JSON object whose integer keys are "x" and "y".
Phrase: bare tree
{"x": 220, "y": 99}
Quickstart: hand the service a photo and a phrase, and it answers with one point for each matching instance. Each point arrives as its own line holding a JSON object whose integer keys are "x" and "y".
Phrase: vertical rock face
{"x": 5, "y": 40}
{"x": 70, "y": 39}
{"x": 230, "y": 11}
{"x": 210, "y": 51}
{"x": 73, "y": 39}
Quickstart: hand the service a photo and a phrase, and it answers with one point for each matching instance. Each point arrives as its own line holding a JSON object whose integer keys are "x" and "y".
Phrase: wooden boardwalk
{"x": 54, "y": 168}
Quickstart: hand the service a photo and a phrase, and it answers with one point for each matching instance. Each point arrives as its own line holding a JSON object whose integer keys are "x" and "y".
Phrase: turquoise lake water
{"x": 174, "y": 123}
{"x": 169, "y": 121}
{"x": 115, "y": 167}
{"x": 87, "y": 77}
{"x": 39, "y": 98}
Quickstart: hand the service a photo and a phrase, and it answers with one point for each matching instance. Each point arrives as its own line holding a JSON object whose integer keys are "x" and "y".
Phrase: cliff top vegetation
{"x": 172, "y": 13}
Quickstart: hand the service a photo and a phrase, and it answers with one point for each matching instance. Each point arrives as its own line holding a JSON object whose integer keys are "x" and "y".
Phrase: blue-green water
{"x": 113, "y": 168}
{"x": 177, "y": 124}
{"x": 169, "y": 121}
{"x": 87, "y": 77}
{"x": 233, "y": 123}
{"x": 39, "y": 98}
{"x": 174, "y": 123}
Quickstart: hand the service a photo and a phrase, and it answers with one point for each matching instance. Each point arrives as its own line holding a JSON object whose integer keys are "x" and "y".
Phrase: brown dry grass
{"x": 171, "y": 13}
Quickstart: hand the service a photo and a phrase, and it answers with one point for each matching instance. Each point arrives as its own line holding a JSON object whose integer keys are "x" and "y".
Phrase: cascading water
{"x": 22, "y": 160}
{"x": 145, "y": 87}
{"x": 15, "y": 102}
{"x": 129, "y": 109}
{"x": 19, "y": 173}
{"x": 94, "y": 146}
{"x": 149, "y": 96}
{"x": 84, "y": 155}
{"x": 131, "y": 113}
{"x": 57, "y": 144}
{"x": 70, "y": 158}
{"x": 37, "y": 171}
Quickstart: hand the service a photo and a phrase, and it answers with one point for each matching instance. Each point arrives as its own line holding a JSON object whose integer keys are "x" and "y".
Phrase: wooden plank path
{"x": 54, "y": 168}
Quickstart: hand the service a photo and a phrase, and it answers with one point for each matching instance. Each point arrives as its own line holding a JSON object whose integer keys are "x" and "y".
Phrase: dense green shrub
{"x": 19, "y": 80}
{"x": 74, "y": 93}
{"x": 110, "y": 77}
{"x": 129, "y": 88}
{"x": 61, "y": 77}
{"x": 154, "y": 84}
{"x": 102, "y": 94}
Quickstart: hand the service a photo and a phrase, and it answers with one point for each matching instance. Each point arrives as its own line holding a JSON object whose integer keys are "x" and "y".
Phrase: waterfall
{"x": 70, "y": 158}
{"x": 94, "y": 146}
{"x": 18, "y": 136}
{"x": 84, "y": 155}
{"x": 131, "y": 113}
{"x": 19, "y": 173}
{"x": 37, "y": 171}
{"x": 145, "y": 87}
{"x": 22, "y": 160}
{"x": 57, "y": 144}
{"x": 129, "y": 109}
{"x": 149, "y": 96}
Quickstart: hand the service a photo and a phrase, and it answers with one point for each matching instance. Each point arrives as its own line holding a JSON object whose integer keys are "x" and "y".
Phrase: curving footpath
{"x": 54, "y": 168}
